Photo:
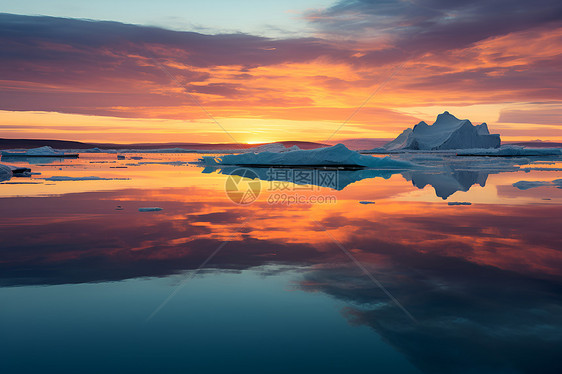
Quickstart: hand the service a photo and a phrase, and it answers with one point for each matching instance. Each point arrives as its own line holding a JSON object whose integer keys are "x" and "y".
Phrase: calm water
{"x": 405, "y": 284}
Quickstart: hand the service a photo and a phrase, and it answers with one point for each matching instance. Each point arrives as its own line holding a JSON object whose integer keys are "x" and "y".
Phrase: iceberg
{"x": 336, "y": 156}
{"x": 447, "y": 132}
{"x": 45, "y": 151}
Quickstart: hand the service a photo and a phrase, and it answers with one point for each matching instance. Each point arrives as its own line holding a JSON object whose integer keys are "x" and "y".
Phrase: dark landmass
{"x": 350, "y": 143}
{"x": 65, "y": 144}
{"x": 361, "y": 143}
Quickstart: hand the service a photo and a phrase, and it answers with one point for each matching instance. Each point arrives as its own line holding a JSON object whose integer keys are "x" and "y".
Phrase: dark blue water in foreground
{"x": 237, "y": 322}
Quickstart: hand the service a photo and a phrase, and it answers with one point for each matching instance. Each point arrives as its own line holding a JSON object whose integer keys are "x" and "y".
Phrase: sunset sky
{"x": 135, "y": 71}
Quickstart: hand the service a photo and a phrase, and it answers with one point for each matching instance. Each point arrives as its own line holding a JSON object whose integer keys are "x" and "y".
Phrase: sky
{"x": 261, "y": 71}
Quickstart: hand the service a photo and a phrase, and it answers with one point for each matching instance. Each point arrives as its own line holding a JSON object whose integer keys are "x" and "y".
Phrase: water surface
{"x": 408, "y": 284}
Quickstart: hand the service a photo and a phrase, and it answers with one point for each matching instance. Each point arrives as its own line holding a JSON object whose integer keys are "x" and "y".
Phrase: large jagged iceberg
{"x": 447, "y": 132}
{"x": 338, "y": 155}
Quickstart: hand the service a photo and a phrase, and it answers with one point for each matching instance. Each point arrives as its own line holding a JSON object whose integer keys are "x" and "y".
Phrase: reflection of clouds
{"x": 483, "y": 283}
{"x": 82, "y": 238}
{"x": 79, "y": 238}
{"x": 471, "y": 318}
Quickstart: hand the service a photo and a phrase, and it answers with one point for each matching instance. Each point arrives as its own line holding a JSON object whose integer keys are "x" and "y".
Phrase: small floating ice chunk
{"x": 120, "y": 157}
{"x": 150, "y": 209}
{"x": 366, "y": 202}
{"x": 458, "y": 203}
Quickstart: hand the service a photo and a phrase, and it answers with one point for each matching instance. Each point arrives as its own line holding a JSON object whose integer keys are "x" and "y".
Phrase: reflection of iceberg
{"x": 330, "y": 178}
{"x": 449, "y": 174}
{"x": 32, "y": 160}
{"x": 448, "y": 181}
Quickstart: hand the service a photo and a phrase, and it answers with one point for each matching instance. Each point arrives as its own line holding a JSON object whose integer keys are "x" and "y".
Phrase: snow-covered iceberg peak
{"x": 447, "y": 132}
{"x": 338, "y": 155}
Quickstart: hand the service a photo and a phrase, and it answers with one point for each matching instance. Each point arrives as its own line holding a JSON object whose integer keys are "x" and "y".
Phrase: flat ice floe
{"x": 45, "y": 151}
{"x": 511, "y": 150}
{"x": 338, "y": 155}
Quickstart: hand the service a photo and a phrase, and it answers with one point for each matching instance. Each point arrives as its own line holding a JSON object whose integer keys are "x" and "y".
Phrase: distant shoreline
{"x": 67, "y": 144}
